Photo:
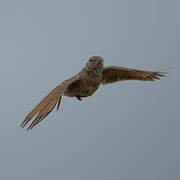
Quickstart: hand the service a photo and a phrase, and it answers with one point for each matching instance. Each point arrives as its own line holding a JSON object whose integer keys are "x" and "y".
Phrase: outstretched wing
{"x": 113, "y": 74}
{"x": 47, "y": 104}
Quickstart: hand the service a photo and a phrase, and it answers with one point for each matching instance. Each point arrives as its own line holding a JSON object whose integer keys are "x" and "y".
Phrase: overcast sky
{"x": 128, "y": 130}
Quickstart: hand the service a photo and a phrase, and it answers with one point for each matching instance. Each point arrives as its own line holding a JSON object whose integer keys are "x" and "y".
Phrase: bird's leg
{"x": 78, "y": 97}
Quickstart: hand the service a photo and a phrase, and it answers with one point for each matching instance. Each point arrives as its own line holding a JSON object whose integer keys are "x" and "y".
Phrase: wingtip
{"x": 28, "y": 129}
{"x": 22, "y": 124}
{"x": 162, "y": 74}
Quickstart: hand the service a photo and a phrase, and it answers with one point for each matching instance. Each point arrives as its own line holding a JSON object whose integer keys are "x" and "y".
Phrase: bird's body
{"x": 84, "y": 88}
{"x": 88, "y": 82}
{"x": 84, "y": 84}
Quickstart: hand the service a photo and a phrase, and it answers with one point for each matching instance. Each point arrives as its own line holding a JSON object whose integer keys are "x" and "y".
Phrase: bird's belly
{"x": 82, "y": 90}
{"x": 88, "y": 91}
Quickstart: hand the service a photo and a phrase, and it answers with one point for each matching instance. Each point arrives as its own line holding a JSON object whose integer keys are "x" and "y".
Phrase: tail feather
{"x": 58, "y": 105}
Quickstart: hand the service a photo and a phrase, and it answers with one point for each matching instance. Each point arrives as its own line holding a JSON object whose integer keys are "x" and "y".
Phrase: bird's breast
{"x": 84, "y": 88}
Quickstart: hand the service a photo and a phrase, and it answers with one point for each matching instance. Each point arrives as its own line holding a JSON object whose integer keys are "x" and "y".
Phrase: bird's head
{"x": 95, "y": 63}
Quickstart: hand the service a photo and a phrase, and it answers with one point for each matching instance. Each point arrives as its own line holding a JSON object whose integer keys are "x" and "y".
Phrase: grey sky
{"x": 128, "y": 130}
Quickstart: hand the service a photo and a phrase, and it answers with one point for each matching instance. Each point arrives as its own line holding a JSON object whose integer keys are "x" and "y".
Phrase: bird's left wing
{"x": 116, "y": 73}
{"x": 47, "y": 104}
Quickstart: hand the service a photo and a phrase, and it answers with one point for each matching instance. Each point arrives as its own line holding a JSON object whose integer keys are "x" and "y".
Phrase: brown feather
{"x": 115, "y": 73}
{"x": 40, "y": 106}
{"x": 47, "y": 104}
{"x": 43, "y": 113}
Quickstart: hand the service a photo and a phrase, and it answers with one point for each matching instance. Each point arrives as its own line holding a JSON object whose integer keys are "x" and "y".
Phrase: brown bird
{"x": 85, "y": 83}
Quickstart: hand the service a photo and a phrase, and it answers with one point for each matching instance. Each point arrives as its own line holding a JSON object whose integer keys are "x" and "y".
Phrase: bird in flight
{"x": 84, "y": 84}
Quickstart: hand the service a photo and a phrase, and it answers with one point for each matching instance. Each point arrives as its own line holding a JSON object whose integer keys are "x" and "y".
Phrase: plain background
{"x": 127, "y": 130}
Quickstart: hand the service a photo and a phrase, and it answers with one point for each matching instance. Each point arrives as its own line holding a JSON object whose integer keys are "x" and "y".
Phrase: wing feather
{"x": 48, "y": 103}
{"x": 43, "y": 113}
{"x": 113, "y": 74}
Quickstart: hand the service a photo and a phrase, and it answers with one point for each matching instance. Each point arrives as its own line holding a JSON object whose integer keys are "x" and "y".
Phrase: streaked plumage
{"x": 84, "y": 84}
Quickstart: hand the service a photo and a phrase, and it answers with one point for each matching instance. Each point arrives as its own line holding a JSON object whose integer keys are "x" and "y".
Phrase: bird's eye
{"x": 91, "y": 60}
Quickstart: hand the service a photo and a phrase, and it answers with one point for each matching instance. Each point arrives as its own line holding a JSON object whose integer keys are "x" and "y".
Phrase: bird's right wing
{"x": 116, "y": 73}
{"x": 47, "y": 104}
